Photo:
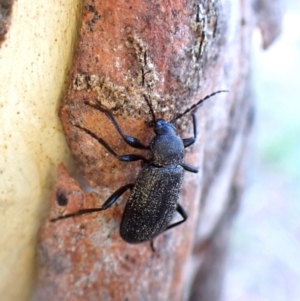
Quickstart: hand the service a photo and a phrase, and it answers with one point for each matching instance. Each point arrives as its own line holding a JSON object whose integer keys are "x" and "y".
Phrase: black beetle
{"x": 154, "y": 196}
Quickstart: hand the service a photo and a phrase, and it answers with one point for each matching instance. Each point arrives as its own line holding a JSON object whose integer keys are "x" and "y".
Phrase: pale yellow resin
{"x": 34, "y": 61}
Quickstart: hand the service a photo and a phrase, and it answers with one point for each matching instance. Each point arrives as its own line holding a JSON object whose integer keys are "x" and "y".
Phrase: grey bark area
{"x": 225, "y": 180}
{"x": 175, "y": 54}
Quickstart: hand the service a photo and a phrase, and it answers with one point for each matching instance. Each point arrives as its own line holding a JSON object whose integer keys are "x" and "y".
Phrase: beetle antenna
{"x": 196, "y": 105}
{"x": 151, "y": 108}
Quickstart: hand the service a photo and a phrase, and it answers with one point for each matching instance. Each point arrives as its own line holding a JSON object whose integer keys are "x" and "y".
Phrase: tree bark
{"x": 175, "y": 53}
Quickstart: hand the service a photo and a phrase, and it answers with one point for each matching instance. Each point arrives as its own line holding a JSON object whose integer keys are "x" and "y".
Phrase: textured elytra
{"x": 152, "y": 203}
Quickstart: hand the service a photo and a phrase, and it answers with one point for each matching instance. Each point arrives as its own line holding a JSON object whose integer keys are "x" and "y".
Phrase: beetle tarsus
{"x": 124, "y": 158}
{"x": 132, "y": 141}
{"x": 108, "y": 203}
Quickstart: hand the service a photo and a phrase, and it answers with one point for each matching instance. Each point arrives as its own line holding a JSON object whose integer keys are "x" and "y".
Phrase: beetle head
{"x": 163, "y": 127}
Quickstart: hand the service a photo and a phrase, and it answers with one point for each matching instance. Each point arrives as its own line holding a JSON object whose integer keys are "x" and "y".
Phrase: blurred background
{"x": 264, "y": 255}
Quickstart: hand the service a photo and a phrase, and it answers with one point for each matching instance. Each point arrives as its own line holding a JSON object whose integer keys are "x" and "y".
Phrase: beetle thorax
{"x": 167, "y": 147}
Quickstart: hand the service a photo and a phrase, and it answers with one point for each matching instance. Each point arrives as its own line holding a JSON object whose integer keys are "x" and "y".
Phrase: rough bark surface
{"x": 174, "y": 52}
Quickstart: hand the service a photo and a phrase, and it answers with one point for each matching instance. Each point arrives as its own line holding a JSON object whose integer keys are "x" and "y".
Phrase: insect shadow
{"x": 155, "y": 193}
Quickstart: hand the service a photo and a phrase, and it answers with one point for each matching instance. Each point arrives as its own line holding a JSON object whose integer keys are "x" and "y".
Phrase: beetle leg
{"x": 134, "y": 142}
{"x": 110, "y": 201}
{"x": 115, "y": 196}
{"x": 189, "y": 168}
{"x": 125, "y": 158}
{"x": 189, "y": 141}
{"x": 184, "y": 215}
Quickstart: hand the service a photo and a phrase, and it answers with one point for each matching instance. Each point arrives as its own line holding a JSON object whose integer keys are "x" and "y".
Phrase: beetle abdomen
{"x": 152, "y": 203}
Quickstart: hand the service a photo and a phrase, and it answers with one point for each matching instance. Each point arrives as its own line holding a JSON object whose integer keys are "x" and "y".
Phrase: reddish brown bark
{"x": 175, "y": 53}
